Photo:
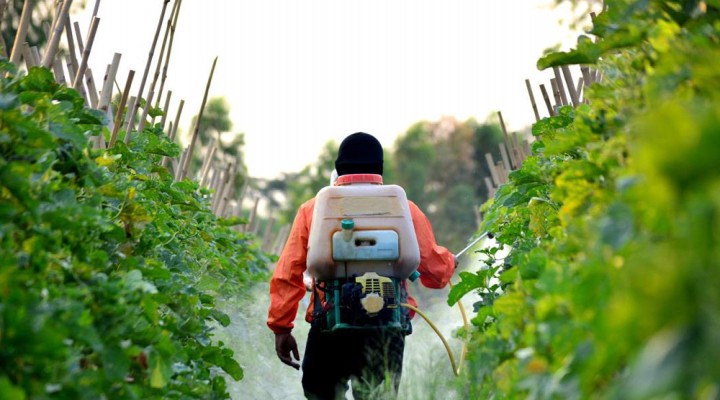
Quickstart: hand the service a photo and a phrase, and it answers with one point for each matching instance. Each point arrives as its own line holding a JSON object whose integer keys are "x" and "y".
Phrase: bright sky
{"x": 299, "y": 73}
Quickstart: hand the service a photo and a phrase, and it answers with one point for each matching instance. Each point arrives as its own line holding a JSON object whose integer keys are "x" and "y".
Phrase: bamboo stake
{"x": 57, "y": 34}
{"x": 35, "y": 54}
{"x": 79, "y": 36}
{"x": 513, "y": 161}
{"x": 176, "y": 7}
{"x": 519, "y": 155}
{"x": 106, "y": 94}
{"x": 585, "y": 71}
{"x": 21, "y": 33}
{"x": 58, "y": 71}
{"x": 546, "y": 98}
{"x": 580, "y": 89}
{"x": 166, "y": 110}
{"x": 199, "y": 120}
{"x": 570, "y": 85}
{"x": 489, "y": 186}
{"x": 162, "y": 52}
{"x": 121, "y": 109}
{"x": 71, "y": 48}
{"x": 559, "y": 83}
{"x": 3, "y": 5}
{"x": 504, "y": 155}
{"x": 206, "y": 165}
{"x": 501, "y": 172}
{"x": 532, "y": 100}
{"x": 46, "y": 28}
{"x": 149, "y": 61}
{"x": 146, "y": 109}
{"x": 28, "y": 56}
{"x": 526, "y": 146}
{"x": 86, "y": 52}
{"x": 129, "y": 123}
{"x": 556, "y": 94}
{"x": 97, "y": 7}
{"x": 173, "y": 131}
{"x": 491, "y": 167}
{"x": 92, "y": 90}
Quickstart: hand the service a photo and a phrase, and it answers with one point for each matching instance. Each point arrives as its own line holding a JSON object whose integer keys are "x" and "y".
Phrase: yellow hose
{"x": 455, "y": 367}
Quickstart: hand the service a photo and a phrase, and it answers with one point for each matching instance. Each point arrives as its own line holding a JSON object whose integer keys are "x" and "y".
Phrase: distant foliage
{"x": 611, "y": 288}
{"x": 109, "y": 270}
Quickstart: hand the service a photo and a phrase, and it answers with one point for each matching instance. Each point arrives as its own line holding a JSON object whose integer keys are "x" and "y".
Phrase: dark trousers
{"x": 371, "y": 359}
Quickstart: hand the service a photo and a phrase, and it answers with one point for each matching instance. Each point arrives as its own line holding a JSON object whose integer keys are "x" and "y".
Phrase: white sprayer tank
{"x": 360, "y": 225}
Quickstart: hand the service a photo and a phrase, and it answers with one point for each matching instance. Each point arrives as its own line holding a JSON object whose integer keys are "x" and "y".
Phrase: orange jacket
{"x": 287, "y": 288}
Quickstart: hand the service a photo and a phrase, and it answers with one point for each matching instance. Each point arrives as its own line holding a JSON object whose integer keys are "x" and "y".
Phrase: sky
{"x": 297, "y": 74}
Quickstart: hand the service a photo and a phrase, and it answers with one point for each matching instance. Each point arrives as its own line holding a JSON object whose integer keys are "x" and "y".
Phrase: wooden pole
{"x": 71, "y": 48}
{"x": 206, "y": 165}
{"x": 176, "y": 6}
{"x": 57, "y": 34}
{"x": 191, "y": 147}
{"x": 129, "y": 123}
{"x": 21, "y": 32}
{"x": 35, "y": 54}
{"x": 160, "y": 56}
{"x": 513, "y": 161}
{"x": 143, "y": 117}
{"x": 166, "y": 110}
{"x": 556, "y": 93}
{"x": 86, "y": 53}
{"x": 58, "y": 71}
{"x": 28, "y": 55}
{"x": 491, "y": 167}
{"x": 106, "y": 94}
{"x": 121, "y": 109}
{"x": 149, "y": 61}
{"x": 266, "y": 236}
{"x": 580, "y": 88}
{"x": 570, "y": 85}
{"x": 489, "y": 186}
{"x": 532, "y": 100}
{"x": 504, "y": 155}
{"x": 78, "y": 35}
{"x": 560, "y": 88}
{"x": 546, "y": 98}
{"x": 173, "y": 131}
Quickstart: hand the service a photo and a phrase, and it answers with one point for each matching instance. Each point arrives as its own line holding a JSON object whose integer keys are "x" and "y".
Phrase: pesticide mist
{"x": 427, "y": 373}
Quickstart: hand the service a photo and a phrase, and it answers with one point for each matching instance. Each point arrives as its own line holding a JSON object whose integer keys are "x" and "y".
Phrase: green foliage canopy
{"x": 610, "y": 287}
{"x": 109, "y": 269}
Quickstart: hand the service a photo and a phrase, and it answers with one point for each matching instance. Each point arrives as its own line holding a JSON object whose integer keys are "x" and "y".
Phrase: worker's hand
{"x": 284, "y": 345}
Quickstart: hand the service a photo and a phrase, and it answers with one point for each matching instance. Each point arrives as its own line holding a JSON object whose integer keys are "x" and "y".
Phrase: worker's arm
{"x": 437, "y": 263}
{"x": 286, "y": 285}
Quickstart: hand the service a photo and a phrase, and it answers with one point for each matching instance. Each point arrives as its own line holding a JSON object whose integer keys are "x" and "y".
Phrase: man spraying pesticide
{"x": 360, "y": 240}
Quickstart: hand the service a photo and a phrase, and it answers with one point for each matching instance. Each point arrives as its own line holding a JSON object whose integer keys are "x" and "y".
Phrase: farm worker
{"x": 332, "y": 359}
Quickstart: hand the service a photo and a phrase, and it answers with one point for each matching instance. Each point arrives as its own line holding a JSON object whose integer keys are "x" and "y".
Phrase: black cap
{"x": 359, "y": 153}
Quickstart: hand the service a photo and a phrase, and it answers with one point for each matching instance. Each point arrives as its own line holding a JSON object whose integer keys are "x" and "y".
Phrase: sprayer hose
{"x": 455, "y": 367}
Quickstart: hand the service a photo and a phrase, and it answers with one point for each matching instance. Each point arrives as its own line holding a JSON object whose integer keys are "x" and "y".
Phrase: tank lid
{"x": 359, "y": 178}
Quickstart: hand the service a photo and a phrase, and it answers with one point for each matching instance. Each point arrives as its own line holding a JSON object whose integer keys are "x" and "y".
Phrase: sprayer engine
{"x": 369, "y": 301}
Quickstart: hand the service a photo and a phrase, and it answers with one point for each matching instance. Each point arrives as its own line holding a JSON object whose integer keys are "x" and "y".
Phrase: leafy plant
{"x": 109, "y": 269}
{"x": 609, "y": 289}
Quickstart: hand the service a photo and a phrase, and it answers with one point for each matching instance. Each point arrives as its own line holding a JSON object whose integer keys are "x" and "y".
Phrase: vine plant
{"x": 610, "y": 289}
{"x": 109, "y": 270}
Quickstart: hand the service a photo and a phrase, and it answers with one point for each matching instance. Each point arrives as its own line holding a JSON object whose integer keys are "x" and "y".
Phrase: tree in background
{"x": 441, "y": 166}
{"x": 215, "y": 127}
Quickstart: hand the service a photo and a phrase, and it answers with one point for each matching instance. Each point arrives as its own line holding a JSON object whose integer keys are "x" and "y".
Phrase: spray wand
{"x": 455, "y": 366}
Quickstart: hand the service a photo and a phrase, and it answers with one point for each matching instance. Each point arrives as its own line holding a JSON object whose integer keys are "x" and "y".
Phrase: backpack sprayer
{"x": 361, "y": 249}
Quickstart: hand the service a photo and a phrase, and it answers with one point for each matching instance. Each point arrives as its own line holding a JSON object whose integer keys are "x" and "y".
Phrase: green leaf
{"x": 220, "y": 317}
{"x": 232, "y": 367}
{"x": 468, "y": 282}
{"x": 9, "y": 391}
{"x": 160, "y": 372}
{"x": 8, "y": 101}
